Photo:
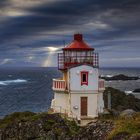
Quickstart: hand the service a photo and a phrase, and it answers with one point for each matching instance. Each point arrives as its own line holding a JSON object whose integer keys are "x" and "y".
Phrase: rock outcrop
{"x": 44, "y": 126}
{"x": 98, "y": 130}
{"x": 32, "y": 126}
{"x": 137, "y": 90}
{"x": 120, "y": 77}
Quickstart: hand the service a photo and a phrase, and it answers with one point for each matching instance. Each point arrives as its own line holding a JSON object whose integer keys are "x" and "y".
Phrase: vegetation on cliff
{"x": 36, "y": 126}
{"x": 120, "y": 101}
{"x": 44, "y": 126}
{"x": 126, "y": 128}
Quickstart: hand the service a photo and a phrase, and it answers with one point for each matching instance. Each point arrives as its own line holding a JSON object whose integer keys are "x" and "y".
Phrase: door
{"x": 84, "y": 106}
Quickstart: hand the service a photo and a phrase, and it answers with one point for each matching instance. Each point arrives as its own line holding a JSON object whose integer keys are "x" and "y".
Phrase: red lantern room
{"x": 77, "y": 53}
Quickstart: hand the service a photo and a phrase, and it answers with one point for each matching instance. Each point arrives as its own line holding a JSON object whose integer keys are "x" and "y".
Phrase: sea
{"x": 30, "y": 89}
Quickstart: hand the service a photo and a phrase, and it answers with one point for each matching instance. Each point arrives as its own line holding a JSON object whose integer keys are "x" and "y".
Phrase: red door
{"x": 83, "y": 106}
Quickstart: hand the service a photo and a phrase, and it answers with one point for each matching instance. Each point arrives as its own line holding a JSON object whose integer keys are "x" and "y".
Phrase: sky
{"x": 32, "y": 32}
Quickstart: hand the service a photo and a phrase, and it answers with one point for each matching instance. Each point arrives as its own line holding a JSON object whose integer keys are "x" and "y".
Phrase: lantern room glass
{"x": 78, "y": 56}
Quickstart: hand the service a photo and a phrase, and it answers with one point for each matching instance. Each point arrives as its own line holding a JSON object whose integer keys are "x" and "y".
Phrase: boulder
{"x": 128, "y": 113}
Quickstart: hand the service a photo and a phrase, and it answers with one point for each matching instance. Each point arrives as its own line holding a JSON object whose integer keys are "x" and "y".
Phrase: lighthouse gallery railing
{"x": 67, "y": 61}
{"x": 59, "y": 84}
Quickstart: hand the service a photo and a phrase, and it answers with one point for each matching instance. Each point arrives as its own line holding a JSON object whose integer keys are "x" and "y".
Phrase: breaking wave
{"x": 107, "y": 75}
{"x": 128, "y": 92}
{"x": 7, "y": 82}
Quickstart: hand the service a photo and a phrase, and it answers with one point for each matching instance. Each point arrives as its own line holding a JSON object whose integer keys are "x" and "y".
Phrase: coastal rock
{"x": 25, "y": 126}
{"x": 44, "y": 126}
{"x": 121, "y": 136}
{"x": 137, "y": 90}
{"x": 120, "y": 77}
{"x": 97, "y": 130}
{"x": 128, "y": 113}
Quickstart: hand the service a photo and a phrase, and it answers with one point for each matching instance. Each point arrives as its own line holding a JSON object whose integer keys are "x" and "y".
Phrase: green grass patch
{"x": 74, "y": 128}
{"x": 126, "y": 125}
{"x": 48, "y": 124}
{"x": 16, "y": 117}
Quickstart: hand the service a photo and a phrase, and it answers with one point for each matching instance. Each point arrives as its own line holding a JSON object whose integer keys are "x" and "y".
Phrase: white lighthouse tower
{"x": 79, "y": 93}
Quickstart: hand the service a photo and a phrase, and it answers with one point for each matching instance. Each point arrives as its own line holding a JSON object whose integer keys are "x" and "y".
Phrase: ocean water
{"x": 30, "y": 89}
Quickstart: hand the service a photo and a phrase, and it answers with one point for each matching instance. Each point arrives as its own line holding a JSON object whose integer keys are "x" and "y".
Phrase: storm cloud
{"x": 33, "y": 31}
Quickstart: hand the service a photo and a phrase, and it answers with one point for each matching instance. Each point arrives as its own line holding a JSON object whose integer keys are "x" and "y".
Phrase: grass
{"x": 21, "y": 117}
{"x": 16, "y": 117}
{"x": 74, "y": 128}
{"x": 129, "y": 126}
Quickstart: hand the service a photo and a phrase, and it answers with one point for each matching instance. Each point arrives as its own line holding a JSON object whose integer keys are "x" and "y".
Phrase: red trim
{"x": 82, "y": 82}
{"x": 59, "y": 85}
{"x": 78, "y": 45}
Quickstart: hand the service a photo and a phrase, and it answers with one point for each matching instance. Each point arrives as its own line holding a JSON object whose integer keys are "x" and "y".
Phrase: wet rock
{"x": 121, "y": 136}
{"x": 128, "y": 113}
{"x": 97, "y": 130}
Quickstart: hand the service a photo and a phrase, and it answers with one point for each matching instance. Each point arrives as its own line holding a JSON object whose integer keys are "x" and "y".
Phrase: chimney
{"x": 78, "y": 37}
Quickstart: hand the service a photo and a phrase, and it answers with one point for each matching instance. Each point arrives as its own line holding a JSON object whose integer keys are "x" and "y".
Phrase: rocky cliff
{"x": 44, "y": 126}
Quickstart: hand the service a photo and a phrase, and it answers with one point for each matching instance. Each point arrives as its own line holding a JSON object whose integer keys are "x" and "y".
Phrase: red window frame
{"x": 84, "y": 82}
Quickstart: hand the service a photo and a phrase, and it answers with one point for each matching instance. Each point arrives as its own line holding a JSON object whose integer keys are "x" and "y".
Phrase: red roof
{"x": 78, "y": 44}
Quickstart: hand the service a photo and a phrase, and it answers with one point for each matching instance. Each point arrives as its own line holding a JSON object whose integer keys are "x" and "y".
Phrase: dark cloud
{"x": 104, "y": 23}
{"x": 3, "y": 3}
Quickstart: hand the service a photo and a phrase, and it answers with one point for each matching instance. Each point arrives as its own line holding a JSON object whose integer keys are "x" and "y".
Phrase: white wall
{"x": 75, "y": 78}
{"x": 100, "y": 102}
{"x": 92, "y": 104}
{"x": 61, "y": 102}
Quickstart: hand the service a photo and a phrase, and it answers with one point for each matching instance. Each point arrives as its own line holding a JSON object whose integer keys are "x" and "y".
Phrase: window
{"x": 84, "y": 78}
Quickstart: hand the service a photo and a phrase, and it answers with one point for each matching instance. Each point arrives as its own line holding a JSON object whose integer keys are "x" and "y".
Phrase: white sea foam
{"x": 2, "y": 83}
{"x": 7, "y": 82}
{"x": 128, "y": 92}
{"x": 109, "y": 76}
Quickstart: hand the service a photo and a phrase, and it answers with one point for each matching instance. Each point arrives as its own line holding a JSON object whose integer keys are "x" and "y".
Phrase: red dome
{"x": 78, "y": 44}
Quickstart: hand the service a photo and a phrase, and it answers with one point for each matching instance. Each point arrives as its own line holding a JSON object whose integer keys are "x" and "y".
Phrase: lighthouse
{"x": 79, "y": 93}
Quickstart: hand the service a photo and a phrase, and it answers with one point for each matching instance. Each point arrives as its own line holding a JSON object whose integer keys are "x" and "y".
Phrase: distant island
{"x": 137, "y": 90}
{"x": 119, "y": 77}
